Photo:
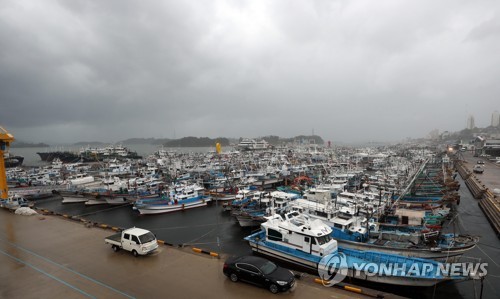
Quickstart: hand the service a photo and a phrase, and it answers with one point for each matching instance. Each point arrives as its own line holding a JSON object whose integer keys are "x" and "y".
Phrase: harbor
{"x": 249, "y": 149}
{"x": 212, "y": 230}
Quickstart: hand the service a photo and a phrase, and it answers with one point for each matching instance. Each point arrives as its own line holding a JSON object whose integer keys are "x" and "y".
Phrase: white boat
{"x": 72, "y": 196}
{"x": 95, "y": 201}
{"x": 119, "y": 199}
{"x": 282, "y": 237}
{"x": 299, "y": 240}
{"x": 14, "y": 202}
{"x": 80, "y": 179}
{"x": 251, "y": 144}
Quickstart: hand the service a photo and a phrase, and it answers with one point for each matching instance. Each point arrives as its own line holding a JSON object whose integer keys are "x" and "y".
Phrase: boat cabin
{"x": 299, "y": 232}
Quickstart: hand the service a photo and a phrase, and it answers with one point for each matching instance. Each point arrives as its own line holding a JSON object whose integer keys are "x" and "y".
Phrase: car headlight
{"x": 281, "y": 282}
{"x": 144, "y": 249}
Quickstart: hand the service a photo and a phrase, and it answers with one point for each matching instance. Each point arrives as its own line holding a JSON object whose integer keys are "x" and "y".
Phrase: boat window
{"x": 313, "y": 241}
{"x": 324, "y": 239}
{"x": 307, "y": 239}
{"x": 336, "y": 225}
{"x": 321, "y": 214}
{"x": 274, "y": 235}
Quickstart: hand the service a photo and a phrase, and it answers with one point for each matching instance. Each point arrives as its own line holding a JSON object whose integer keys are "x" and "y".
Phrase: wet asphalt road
{"x": 51, "y": 257}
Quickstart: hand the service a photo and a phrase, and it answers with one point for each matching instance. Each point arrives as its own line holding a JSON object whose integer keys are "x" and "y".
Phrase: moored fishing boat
{"x": 357, "y": 232}
{"x": 13, "y": 161}
{"x": 14, "y": 202}
{"x": 308, "y": 243}
{"x": 72, "y": 196}
{"x": 179, "y": 199}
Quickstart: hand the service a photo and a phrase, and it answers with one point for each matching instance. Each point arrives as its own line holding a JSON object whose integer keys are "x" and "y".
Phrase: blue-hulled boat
{"x": 179, "y": 199}
{"x": 413, "y": 239}
{"x": 308, "y": 243}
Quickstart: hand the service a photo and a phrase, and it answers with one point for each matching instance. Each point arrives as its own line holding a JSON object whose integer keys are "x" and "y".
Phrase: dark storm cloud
{"x": 352, "y": 70}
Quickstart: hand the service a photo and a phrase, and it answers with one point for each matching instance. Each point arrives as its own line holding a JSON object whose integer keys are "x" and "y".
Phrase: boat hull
{"x": 246, "y": 221}
{"x": 160, "y": 209}
{"x": 258, "y": 247}
{"x": 261, "y": 248}
{"x": 438, "y": 254}
{"x": 74, "y": 199}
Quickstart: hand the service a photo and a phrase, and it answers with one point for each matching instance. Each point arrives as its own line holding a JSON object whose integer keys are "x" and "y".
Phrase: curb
{"x": 213, "y": 254}
{"x": 348, "y": 288}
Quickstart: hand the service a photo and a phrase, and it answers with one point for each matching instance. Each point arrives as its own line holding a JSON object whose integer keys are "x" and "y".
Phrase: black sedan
{"x": 259, "y": 271}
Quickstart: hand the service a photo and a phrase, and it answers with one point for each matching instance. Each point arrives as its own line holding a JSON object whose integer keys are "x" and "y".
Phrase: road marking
{"x": 45, "y": 273}
{"x": 67, "y": 269}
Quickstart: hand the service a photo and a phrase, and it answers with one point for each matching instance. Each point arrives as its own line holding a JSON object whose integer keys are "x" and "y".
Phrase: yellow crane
{"x": 5, "y": 139}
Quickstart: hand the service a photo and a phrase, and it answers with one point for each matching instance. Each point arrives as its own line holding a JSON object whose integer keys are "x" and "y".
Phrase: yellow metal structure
{"x": 218, "y": 148}
{"x": 5, "y": 139}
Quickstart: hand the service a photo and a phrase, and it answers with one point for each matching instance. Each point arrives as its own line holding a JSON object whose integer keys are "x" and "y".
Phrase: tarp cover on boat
{"x": 25, "y": 211}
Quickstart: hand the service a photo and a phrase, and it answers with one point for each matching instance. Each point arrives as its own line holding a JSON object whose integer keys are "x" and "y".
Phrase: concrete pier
{"x": 482, "y": 186}
{"x": 53, "y": 257}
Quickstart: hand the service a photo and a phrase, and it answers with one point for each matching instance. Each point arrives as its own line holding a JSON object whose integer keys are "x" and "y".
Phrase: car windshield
{"x": 268, "y": 268}
{"x": 147, "y": 237}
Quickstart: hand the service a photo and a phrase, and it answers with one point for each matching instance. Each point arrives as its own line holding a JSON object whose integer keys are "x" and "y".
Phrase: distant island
{"x": 272, "y": 140}
{"x": 196, "y": 142}
{"x": 154, "y": 141}
{"x": 22, "y": 144}
{"x": 94, "y": 143}
{"x": 192, "y": 141}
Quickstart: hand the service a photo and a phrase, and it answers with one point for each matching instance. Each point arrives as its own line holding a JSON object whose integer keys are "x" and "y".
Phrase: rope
{"x": 492, "y": 246}
{"x": 474, "y": 284}
{"x": 488, "y": 256}
{"x": 113, "y": 208}
{"x": 192, "y": 226}
{"x": 196, "y": 239}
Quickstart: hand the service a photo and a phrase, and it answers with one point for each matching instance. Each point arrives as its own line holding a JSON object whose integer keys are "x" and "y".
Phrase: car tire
{"x": 273, "y": 288}
{"x": 135, "y": 253}
{"x": 115, "y": 248}
{"x": 233, "y": 277}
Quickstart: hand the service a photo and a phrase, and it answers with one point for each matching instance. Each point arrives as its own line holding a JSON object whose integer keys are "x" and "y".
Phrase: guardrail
{"x": 488, "y": 202}
{"x": 476, "y": 187}
{"x": 490, "y": 205}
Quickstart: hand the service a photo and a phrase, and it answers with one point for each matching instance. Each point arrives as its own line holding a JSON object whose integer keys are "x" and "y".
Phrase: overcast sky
{"x": 349, "y": 70}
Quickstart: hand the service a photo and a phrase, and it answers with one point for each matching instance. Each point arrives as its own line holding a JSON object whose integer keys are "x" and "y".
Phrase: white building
{"x": 495, "y": 119}
{"x": 470, "y": 122}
